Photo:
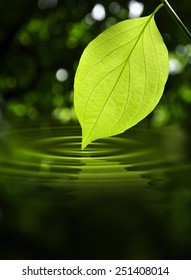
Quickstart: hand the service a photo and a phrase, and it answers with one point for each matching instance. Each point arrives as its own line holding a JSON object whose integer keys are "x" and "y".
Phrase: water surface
{"x": 123, "y": 197}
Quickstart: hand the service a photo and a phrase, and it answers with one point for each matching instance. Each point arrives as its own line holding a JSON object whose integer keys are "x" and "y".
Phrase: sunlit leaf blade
{"x": 120, "y": 78}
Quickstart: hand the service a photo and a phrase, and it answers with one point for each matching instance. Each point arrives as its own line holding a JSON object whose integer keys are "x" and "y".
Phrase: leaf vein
{"x": 116, "y": 35}
{"x": 144, "y": 92}
{"x": 140, "y": 35}
{"x": 108, "y": 54}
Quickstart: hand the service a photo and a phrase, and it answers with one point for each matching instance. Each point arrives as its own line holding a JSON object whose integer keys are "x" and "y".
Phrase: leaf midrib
{"x": 126, "y": 61}
{"x": 111, "y": 51}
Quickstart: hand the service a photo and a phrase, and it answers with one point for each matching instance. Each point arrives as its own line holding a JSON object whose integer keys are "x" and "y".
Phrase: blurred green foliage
{"x": 41, "y": 43}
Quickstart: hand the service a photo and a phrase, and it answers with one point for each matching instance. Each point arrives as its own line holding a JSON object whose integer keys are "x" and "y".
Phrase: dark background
{"x": 37, "y": 38}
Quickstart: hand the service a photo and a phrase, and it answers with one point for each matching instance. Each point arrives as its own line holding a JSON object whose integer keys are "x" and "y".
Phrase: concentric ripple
{"x": 53, "y": 154}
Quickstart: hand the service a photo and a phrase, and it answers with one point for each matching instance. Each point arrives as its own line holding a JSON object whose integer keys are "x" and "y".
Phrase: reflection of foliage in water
{"x": 38, "y": 38}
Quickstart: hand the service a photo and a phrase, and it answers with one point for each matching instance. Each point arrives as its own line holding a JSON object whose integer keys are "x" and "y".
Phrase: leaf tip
{"x": 85, "y": 141}
{"x": 84, "y": 144}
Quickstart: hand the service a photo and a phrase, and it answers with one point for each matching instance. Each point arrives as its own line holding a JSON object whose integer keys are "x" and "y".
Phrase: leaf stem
{"x": 157, "y": 8}
{"x": 177, "y": 19}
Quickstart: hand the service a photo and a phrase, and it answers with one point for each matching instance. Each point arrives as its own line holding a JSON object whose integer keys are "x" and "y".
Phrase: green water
{"x": 124, "y": 197}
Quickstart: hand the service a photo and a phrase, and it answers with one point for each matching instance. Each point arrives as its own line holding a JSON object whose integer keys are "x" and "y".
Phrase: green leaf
{"x": 120, "y": 78}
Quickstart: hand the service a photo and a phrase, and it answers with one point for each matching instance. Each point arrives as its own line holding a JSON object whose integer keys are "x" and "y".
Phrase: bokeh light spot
{"x": 181, "y": 50}
{"x": 25, "y": 39}
{"x": 89, "y": 20}
{"x": 58, "y": 100}
{"x": 161, "y": 117}
{"x": 47, "y": 4}
{"x": 114, "y": 7}
{"x": 185, "y": 93}
{"x": 98, "y": 12}
{"x": 62, "y": 75}
{"x": 175, "y": 66}
{"x": 110, "y": 21}
{"x": 135, "y": 9}
{"x": 62, "y": 114}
